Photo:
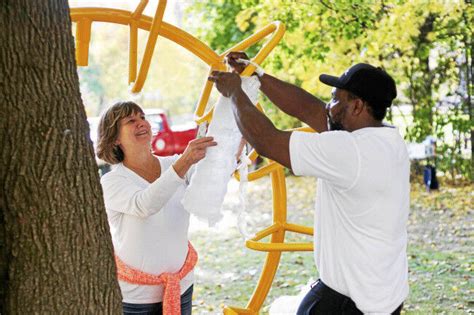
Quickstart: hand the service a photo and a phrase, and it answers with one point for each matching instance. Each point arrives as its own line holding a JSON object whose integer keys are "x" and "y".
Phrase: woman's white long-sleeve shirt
{"x": 149, "y": 226}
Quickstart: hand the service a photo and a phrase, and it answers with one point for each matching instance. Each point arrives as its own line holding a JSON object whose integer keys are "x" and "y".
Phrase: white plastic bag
{"x": 206, "y": 191}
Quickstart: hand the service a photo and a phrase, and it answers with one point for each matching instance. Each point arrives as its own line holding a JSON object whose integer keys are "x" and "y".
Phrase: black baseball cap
{"x": 371, "y": 84}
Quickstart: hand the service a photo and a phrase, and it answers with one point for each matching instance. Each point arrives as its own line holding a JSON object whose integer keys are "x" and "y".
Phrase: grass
{"x": 440, "y": 282}
{"x": 440, "y": 250}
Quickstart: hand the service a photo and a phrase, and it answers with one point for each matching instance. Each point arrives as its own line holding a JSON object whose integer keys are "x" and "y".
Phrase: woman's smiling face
{"x": 134, "y": 130}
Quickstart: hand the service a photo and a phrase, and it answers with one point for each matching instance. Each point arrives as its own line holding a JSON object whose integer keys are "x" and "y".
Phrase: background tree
{"x": 425, "y": 45}
{"x": 56, "y": 250}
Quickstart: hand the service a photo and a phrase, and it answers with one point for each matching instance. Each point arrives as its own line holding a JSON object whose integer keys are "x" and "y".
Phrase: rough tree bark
{"x": 55, "y": 247}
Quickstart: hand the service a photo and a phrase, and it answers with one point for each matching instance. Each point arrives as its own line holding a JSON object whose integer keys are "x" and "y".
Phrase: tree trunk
{"x": 55, "y": 246}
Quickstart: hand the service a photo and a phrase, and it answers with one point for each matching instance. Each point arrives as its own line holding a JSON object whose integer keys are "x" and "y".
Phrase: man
{"x": 362, "y": 196}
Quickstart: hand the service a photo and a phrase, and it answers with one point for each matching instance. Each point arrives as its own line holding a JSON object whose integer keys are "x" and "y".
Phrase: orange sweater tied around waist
{"x": 170, "y": 281}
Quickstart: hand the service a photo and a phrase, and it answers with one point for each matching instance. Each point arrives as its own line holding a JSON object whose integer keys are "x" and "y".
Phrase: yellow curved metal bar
{"x": 83, "y": 38}
{"x": 261, "y": 172}
{"x": 273, "y": 258}
{"x": 255, "y": 243}
{"x": 150, "y": 46}
{"x": 297, "y": 228}
{"x": 204, "y": 97}
{"x": 171, "y": 32}
{"x": 133, "y": 42}
{"x": 260, "y": 107}
{"x": 133, "y": 52}
{"x": 286, "y": 226}
{"x": 228, "y": 310}
{"x": 280, "y": 247}
{"x": 277, "y": 28}
{"x": 305, "y": 129}
{"x": 207, "y": 117}
{"x": 180, "y": 37}
{"x": 139, "y": 9}
{"x": 267, "y": 231}
{"x": 277, "y": 230}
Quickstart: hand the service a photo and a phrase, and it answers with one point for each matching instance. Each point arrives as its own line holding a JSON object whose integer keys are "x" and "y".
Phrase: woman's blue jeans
{"x": 157, "y": 308}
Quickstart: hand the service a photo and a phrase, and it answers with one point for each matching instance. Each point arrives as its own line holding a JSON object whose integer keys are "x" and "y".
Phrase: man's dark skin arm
{"x": 288, "y": 97}
{"x": 295, "y": 102}
{"x": 256, "y": 128}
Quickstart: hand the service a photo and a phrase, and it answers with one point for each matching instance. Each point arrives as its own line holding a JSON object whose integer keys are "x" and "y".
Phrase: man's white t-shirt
{"x": 362, "y": 205}
{"x": 149, "y": 226}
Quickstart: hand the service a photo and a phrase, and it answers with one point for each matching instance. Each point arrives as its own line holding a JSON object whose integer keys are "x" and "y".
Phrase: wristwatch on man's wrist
{"x": 258, "y": 70}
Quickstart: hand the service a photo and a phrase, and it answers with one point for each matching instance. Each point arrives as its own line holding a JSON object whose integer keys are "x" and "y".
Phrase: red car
{"x": 169, "y": 139}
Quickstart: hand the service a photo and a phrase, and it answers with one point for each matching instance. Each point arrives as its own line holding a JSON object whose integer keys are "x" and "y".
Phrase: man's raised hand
{"x": 226, "y": 82}
{"x": 231, "y": 60}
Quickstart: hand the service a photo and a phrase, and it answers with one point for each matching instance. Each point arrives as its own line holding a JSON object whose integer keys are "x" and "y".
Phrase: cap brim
{"x": 330, "y": 80}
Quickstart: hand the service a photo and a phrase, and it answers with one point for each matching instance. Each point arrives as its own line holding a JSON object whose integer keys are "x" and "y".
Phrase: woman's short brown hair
{"x": 109, "y": 126}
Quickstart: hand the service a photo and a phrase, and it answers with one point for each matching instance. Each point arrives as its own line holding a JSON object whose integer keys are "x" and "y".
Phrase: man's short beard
{"x": 334, "y": 125}
{"x": 335, "y": 121}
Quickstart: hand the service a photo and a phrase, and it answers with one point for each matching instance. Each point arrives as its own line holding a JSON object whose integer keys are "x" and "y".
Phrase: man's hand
{"x": 231, "y": 59}
{"x": 226, "y": 82}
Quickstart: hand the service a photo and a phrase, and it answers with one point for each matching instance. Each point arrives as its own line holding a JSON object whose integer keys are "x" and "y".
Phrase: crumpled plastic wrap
{"x": 208, "y": 186}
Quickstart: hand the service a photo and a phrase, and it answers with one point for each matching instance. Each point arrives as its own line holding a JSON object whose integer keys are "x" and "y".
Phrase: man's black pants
{"x": 321, "y": 299}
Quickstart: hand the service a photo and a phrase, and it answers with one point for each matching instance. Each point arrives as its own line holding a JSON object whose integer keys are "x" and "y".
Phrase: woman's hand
{"x": 195, "y": 151}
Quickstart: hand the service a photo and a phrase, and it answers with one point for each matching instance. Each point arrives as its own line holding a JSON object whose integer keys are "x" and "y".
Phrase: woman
{"x": 148, "y": 224}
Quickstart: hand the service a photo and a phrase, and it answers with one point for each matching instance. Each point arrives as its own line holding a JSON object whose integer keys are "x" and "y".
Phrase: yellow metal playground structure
{"x": 157, "y": 27}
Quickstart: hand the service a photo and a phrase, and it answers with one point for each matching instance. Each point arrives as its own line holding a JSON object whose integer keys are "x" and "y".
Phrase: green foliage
{"x": 218, "y": 24}
{"x": 425, "y": 45}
